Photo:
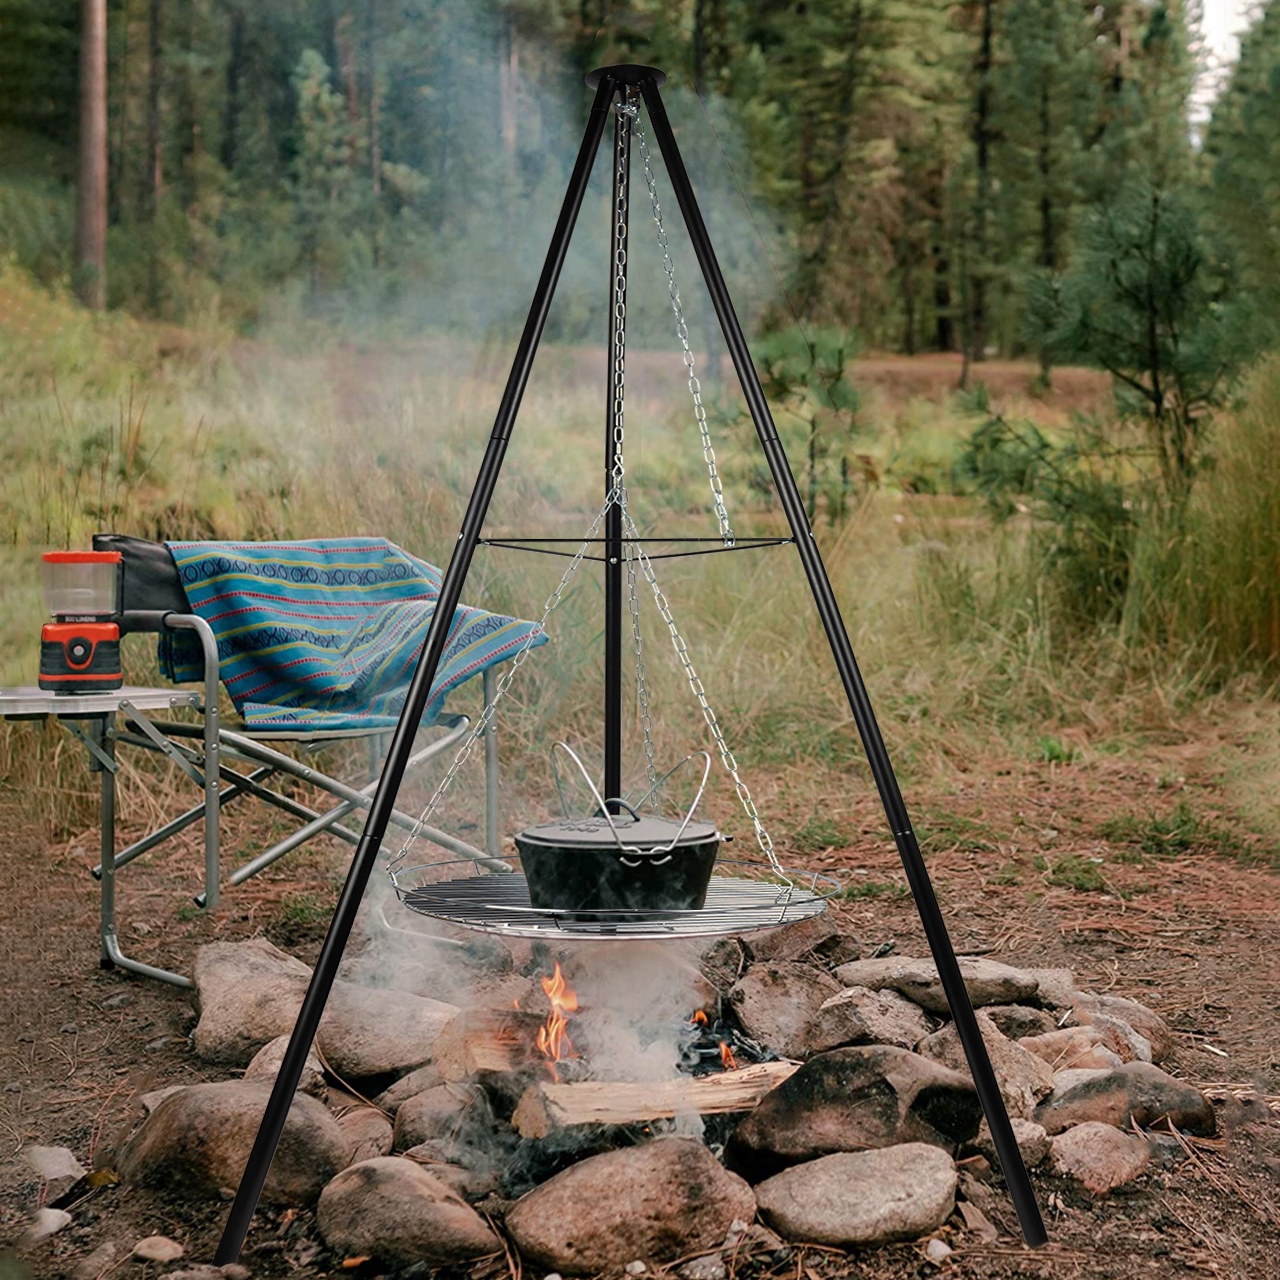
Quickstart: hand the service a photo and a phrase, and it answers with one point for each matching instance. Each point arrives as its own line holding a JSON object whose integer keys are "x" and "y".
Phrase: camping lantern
{"x": 80, "y": 649}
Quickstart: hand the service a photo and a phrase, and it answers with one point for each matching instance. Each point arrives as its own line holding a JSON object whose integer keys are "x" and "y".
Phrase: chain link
{"x": 682, "y": 332}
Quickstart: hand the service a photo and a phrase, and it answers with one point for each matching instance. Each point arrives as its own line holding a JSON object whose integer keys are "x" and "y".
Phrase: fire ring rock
{"x": 1137, "y": 1092}
{"x": 1100, "y": 1156}
{"x": 197, "y": 1141}
{"x": 851, "y": 1099}
{"x": 986, "y": 981}
{"x": 867, "y": 1197}
{"x": 657, "y": 1202}
{"x": 391, "y": 1208}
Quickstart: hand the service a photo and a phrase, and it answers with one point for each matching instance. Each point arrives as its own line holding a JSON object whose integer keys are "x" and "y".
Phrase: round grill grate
{"x": 747, "y": 898}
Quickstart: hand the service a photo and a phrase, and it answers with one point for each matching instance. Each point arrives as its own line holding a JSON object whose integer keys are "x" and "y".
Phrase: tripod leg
{"x": 366, "y": 854}
{"x": 984, "y": 1077}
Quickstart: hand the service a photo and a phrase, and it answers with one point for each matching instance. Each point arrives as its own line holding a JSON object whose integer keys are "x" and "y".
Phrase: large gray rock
{"x": 851, "y": 1099}
{"x": 1078, "y": 1048}
{"x": 366, "y": 1131}
{"x": 815, "y": 938}
{"x": 778, "y": 1003}
{"x": 1136, "y": 1091}
{"x": 1024, "y": 1078}
{"x": 1100, "y": 1156}
{"x": 370, "y": 1032}
{"x": 1146, "y": 1031}
{"x": 249, "y": 993}
{"x": 987, "y": 981}
{"x": 392, "y": 1209}
{"x": 867, "y": 1197}
{"x": 1057, "y": 987}
{"x": 197, "y": 1141}
{"x": 1019, "y": 1020}
{"x": 458, "y": 1111}
{"x": 1033, "y": 1142}
{"x": 875, "y": 1017}
{"x": 471, "y": 1173}
{"x": 265, "y": 1065}
{"x": 655, "y": 1203}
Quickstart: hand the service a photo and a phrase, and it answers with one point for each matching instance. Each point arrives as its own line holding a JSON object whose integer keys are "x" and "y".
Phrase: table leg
{"x": 103, "y": 731}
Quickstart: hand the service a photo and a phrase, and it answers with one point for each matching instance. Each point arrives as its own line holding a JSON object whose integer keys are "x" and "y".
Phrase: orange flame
{"x": 726, "y": 1056}
{"x": 699, "y": 1018}
{"x": 553, "y": 1037}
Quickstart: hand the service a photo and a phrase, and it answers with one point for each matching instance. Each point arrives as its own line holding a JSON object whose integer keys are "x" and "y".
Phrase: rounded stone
{"x": 392, "y": 1209}
{"x": 655, "y": 1203}
{"x": 864, "y": 1197}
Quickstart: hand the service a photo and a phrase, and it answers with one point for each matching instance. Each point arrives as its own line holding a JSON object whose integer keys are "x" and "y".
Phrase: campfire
{"x": 705, "y": 1044}
{"x": 552, "y": 1037}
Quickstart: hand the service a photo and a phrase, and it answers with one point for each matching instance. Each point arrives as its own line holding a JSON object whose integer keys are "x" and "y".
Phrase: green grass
{"x": 109, "y": 422}
{"x": 1181, "y": 831}
{"x": 939, "y": 830}
{"x": 818, "y": 834}
{"x": 1055, "y": 751}
{"x": 1077, "y": 872}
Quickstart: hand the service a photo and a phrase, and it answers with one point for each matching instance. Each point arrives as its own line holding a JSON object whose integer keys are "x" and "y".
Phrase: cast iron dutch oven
{"x": 575, "y": 865}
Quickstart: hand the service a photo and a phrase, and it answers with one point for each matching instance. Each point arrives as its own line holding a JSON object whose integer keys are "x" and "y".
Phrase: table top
{"x": 33, "y": 701}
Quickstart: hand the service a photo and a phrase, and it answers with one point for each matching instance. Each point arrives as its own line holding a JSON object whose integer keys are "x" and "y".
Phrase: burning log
{"x": 546, "y": 1107}
{"x": 489, "y": 1040}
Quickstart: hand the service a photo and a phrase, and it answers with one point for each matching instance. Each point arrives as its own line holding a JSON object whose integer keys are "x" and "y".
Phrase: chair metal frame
{"x": 225, "y": 764}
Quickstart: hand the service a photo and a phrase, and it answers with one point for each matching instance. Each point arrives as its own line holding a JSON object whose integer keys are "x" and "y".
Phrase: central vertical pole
{"x": 613, "y": 602}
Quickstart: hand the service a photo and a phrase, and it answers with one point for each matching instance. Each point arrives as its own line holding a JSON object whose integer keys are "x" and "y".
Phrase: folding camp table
{"x": 208, "y": 753}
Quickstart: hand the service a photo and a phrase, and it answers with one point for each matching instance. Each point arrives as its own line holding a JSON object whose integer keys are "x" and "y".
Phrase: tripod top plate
{"x": 626, "y": 73}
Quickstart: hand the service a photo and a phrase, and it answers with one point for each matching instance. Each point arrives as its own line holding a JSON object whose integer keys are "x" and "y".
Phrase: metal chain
{"x": 618, "y": 356}
{"x": 682, "y": 332}
{"x": 727, "y": 760}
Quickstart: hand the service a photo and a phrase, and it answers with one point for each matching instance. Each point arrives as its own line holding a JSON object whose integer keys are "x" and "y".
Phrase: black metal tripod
{"x": 608, "y": 82}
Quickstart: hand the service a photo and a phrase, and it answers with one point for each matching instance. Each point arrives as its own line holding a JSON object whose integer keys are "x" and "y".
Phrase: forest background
{"x": 263, "y": 205}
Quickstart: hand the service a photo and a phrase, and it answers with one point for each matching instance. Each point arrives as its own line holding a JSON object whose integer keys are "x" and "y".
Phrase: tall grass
{"x": 1224, "y": 572}
{"x": 105, "y": 423}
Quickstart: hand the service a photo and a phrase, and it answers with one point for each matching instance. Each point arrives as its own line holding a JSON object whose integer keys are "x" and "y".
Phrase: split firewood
{"x": 488, "y": 1040}
{"x": 545, "y": 1107}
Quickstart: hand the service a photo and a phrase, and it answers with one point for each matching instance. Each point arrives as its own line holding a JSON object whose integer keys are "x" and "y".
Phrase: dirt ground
{"x": 1197, "y": 937}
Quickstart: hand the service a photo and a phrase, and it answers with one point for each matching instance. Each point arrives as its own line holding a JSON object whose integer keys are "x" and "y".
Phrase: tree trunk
{"x": 188, "y": 123}
{"x": 375, "y": 134}
{"x": 1048, "y": 227}
{"x": 155, "y": 153}
{"x": 508, "y": 87}
{"x": 977, "y": 319}
{"x": 231, "y": 101}
{"x": 91, "y": 189}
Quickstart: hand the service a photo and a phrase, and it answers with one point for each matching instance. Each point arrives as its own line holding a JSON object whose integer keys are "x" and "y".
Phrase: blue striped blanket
{"x": 324, "y": 634}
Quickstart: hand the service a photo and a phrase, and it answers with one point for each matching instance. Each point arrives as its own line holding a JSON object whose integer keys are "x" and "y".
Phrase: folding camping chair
{"x": 228, "y": 763}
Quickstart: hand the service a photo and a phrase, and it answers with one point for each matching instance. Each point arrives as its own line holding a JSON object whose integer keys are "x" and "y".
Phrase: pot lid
{"x": 645, "y": 832}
